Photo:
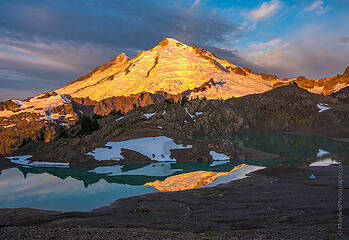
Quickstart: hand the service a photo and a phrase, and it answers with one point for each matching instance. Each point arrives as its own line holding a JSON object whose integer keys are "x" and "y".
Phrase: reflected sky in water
{"x": 46, "y": 191}
{"x": 83, "y": 189}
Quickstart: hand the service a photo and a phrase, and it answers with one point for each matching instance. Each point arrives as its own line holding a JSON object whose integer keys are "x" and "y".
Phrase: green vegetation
{"x": 63, "y": 133}
{"x": 114, "y": 112}
{"x": 181, "y": 101}
{"x": 88, "y": 125}
{"x": 97, "y": 116}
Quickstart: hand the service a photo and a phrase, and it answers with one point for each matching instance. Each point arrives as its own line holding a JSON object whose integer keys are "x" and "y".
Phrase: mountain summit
{"x": 171, "y": 67}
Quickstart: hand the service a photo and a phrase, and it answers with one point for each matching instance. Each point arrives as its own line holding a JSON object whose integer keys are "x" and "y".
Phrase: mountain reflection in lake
{"x": 82, "y": 189}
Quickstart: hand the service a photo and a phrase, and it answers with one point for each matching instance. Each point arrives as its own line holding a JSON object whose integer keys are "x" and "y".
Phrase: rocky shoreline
{"x": 273, "y": 203}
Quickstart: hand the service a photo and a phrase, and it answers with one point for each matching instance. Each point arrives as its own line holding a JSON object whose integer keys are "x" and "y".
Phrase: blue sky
{"x": 45, "y": 44}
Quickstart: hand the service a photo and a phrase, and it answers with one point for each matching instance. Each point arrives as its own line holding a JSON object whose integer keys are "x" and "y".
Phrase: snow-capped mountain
{"x": 172, "y": 67}
{"x": 168, "y": 71}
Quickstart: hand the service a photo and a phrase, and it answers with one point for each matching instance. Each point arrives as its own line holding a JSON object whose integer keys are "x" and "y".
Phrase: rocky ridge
{"x": 285, "y": 109}
{"x": 324, "y": 86}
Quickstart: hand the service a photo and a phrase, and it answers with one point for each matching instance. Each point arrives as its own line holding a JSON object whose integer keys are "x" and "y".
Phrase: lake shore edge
{"x": 272, "y": 202}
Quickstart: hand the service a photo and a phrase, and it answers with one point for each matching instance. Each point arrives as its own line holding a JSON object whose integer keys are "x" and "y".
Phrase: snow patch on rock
{"x": 321, "y": 153}
{"x": 119, "y": 119}
{"x": 9, "y": 126}
{"x": 218, "y": 156}
{"x": 324, "y": 163}
{"x": 239, "y": 173}
{"x": 323, "y": 107}
{"x": 148, "y": 115}
{"x": 40, "y": 106}
{"x": 155, "y": 148}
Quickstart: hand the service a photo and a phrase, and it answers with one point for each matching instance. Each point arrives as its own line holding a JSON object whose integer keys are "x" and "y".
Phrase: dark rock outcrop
{"x": 8, "y": 105}
{"x": 342, "y": 95}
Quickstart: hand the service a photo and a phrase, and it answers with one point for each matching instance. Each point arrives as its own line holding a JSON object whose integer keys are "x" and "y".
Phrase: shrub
{"x": 88, "y": 125}
{"x": 63, "y": 133}
{"x": 114, "y": 112}
{"x": 97, "y": 116}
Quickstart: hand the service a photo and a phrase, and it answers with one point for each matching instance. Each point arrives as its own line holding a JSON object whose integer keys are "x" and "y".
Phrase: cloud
{"x": 300, "y": 55}
{"x": 265, "y": 45}
{"x": 119, "y": 24}
{"x": 47, "y": 66}
{"x": 194, "y": 5}
{"x": 344, "y": 39}
{"x": 53, "y": 42}
{"x": 265, "y": 11}
{"x": 316, "y": 6}
{"x": 8, "y": 93}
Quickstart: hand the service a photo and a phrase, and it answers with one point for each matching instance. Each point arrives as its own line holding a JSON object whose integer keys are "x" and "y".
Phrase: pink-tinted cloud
{"x": 266, "y": 10}
{"x": 317, "y": 7}
{"x": 307, "y": 53}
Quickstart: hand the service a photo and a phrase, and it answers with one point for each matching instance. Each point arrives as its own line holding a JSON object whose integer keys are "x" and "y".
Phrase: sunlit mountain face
{"x": 172, "y": 67}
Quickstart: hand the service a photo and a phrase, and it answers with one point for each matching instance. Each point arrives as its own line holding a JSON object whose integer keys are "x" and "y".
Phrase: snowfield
{"x": 119, "y": 119}
{"x": 191, "y": 115}
{"x": 9, "y": 126}
{"x": 324, "y": 163}
{"x": 327, "y": 161}
{"x": 149, "y": 115}
{"x": 155, "y": 148}
{"x": 321, "y": 153}
{"x": 219, "y": 156}
{"x": 323, "y": 107}
{"x": 40, "y": 106}
{"x": 239, "y": 173}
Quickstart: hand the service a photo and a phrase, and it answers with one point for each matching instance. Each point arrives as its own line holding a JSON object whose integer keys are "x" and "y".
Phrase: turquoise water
{"x": 83, "y": 189}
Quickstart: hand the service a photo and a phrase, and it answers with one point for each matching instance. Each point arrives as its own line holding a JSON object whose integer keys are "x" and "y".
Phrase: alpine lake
{"x": 84, "y": 189}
